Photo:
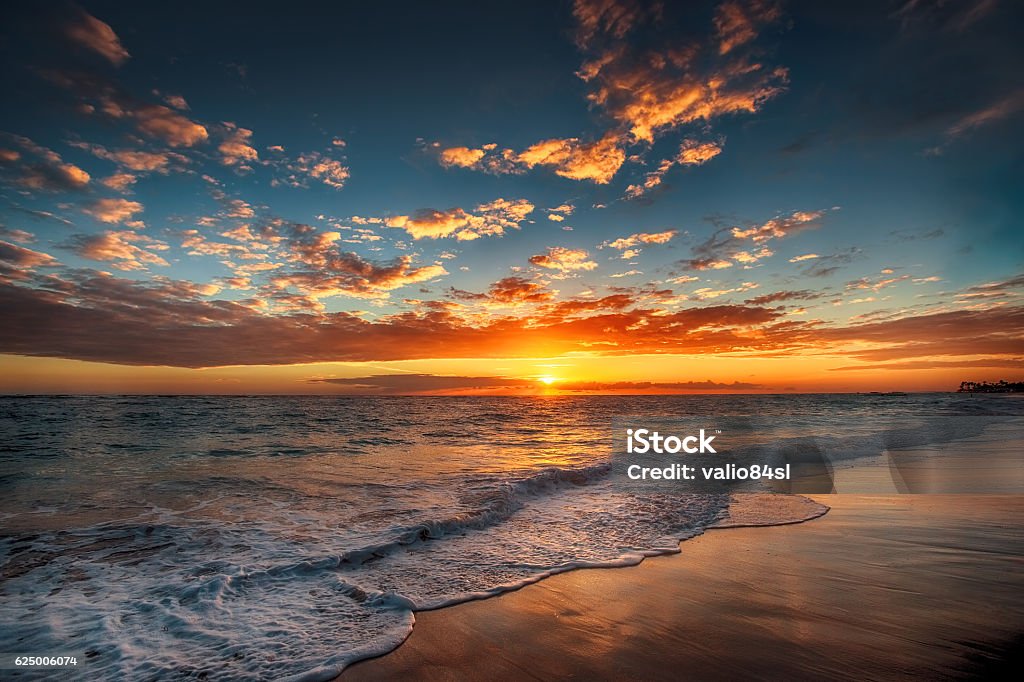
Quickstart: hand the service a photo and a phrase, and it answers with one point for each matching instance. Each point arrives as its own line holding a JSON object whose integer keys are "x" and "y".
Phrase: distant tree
{"x": 1001, "y": 386}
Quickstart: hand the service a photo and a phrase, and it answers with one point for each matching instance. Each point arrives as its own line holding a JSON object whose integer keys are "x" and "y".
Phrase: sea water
{"x": 262, "y": 537}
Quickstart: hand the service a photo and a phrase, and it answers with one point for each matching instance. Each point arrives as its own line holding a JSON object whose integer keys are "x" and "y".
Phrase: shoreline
{"x": 834, "y": 609}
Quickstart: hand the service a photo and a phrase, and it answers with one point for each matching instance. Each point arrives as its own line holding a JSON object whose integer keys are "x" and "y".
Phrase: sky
{"x": 600, "y": 196}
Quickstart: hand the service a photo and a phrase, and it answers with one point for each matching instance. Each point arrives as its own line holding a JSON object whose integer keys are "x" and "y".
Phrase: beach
{"x": 881, "y": 587}
{"x": 273, "y": 538}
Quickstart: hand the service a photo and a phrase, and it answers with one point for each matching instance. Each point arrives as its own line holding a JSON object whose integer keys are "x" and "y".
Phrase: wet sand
{"x": 881, "y": 587}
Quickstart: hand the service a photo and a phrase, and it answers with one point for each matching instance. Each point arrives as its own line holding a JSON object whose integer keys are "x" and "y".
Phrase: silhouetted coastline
{"x": 1000, "y": 386}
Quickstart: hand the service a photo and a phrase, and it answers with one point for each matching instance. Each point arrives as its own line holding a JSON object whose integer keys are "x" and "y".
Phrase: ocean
{"x": 277, "y": 537}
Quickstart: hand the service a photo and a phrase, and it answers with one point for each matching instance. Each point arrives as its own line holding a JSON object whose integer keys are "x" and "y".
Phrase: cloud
{"x": 691, "y": 153}
{"x": 198, "y": 245}
{"x": 399, "y": 384}
{"x": 519, "y": 290}
{"x": 113, "y": 210}
{"x": 411, "y": 384}
{"x": 462, "y": 157}
{"x": 823, "y": 266}
{"x": 707, "y": 293}
{"x": 1015, "y": 282}
{"x": 318, "y": 167}
{"x": 777, "y": 228}
{"x": 987, "y": 331}
{"x": 642, "y": 238}
{"x": 103, "y": 318}
{"x": 163, "y": 123}
{"x": 738, "y": 23}
{"x": 120, "y": 248}
{"x": 1002, "y": 108}
{"x": 649, "y": 87}
{"x": 20, "y": 236}
{"x": 134, "y": 159}
{"x": 598, "y": 161}
{"x": 44, "y": 169}
{"x": 571, "y": 158}
{"x": 176, "y": 101}
{"x": 659, "y": 84}
{"x": 1005, "y": 107}
{"x": 489, "y": 219}
{"x": 119, "y": 181}
{"x": 236, "y": 149}
{"x": 91, "y": 316}
{"x": 947, "y": 16}
{"x": 780, "y": 296}
{"x": 996, "y": 112}
{"x": 20, "y": 257}
{"x": 914, "y": 235}
{"x": 510, "y": 291}
{"x": 876, "y": 284}
{"x": 87, "y": 31}
{"x": 563, "y": 259}
{"x": 610, "y": 17}
{"x": 655, "y": 386}
{"x": 747, "y": 245}
{"x": 1004, "y": 363}
{"x": 326, "y": 271}
{"x": 103, "y": 97}
{"x": 238, "y": 208}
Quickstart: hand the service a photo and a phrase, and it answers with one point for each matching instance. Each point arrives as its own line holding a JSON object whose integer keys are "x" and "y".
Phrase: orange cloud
{"x": 610, "y": 17}
{"x": 643, "y": 238}
{"x": 570, "y": 158}
{"x": 347, "y": 274}
{"x": 45, "y": 170}
{"x": 464, "y": 157}
{"x": 113, "y": 210}
{"x": 235, "y": 148}
{"x": 159, "y": 121}
{"x": 134, "y": 159}
{"x": 315, "y": 166}
{"x": 598, "y": 161}
{"x": 119, "y": 181}
{"x": 510, "y": 291}
{"x": 563, "y": 259}
{"x": 648, "y": 89}
{"x": 89, "y": 32}
{"x": 20, "y": 257}
{"x": 738, "y": 23}
{"x": 489, "y": 219}
{"x": 91, "y": 316}
{"x": 120, "y": 249}
{"x": 797, "y": 221}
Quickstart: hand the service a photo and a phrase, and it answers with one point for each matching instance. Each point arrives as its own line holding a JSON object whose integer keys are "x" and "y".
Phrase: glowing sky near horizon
{"x": 599, "y": 196}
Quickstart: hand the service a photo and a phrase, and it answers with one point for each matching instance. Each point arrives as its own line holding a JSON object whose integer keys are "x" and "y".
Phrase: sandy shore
{"x": 881, "y": 587}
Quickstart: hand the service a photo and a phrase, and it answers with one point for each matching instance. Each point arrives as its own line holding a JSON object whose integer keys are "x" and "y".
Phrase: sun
{"x": 547, "y": 380}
